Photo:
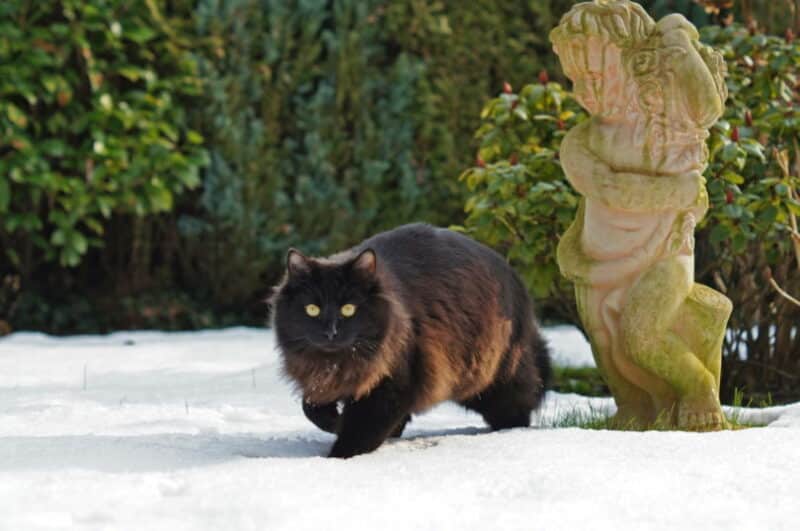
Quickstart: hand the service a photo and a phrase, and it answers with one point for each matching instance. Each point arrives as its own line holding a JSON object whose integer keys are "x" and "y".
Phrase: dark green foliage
{"x": 93, "y": 124}
{"x": 330, "y": 121}
{"x": 520, "y": 202}
{"x": 691, "y": 9}
{"x": 774, "y": 17}
{"x": 754, "y": 202}
{"x": 580, "y": 380}
{"x": 9, "y": 291}
{"x": 324, "y": 122}
{"x": 469, "y": 49}
{"x": 76, "y": 314}
{"x": 311, "y": 141}
{"x": 746, "y": 182}
{"x": 768, "y": 16}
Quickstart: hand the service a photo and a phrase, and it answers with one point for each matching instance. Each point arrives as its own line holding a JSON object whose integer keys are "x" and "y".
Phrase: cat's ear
{"x": 297, "y": 263}
{"x": 366, "y": 262}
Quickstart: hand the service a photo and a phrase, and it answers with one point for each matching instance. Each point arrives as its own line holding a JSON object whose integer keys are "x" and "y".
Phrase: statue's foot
{"x": 701, "y": 415}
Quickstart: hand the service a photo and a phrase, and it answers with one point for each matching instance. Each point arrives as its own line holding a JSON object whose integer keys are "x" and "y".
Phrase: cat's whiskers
{"x": 299, "y": 345}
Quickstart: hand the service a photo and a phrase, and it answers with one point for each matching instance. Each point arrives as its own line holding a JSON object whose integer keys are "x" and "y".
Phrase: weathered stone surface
{"x": 653, "y": 91}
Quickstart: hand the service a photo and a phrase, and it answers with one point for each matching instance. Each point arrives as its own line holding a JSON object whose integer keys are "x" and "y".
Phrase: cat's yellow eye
{"x": 348, "y": 310}
{"x": 312, "y": 310}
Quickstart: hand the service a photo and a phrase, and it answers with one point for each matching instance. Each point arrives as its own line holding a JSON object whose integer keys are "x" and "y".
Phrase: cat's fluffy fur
{"x": 438, "y": 317}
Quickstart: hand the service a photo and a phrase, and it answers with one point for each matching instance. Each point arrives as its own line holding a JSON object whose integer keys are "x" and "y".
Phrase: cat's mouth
{"x": 332, "y": 348}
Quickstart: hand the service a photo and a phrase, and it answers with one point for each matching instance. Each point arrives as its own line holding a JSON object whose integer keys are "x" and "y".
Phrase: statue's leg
{"x": 634, "y": 405}
{"x": 705, "y": 330}
{"x": 598, "y": 306}
{"x": 650, "y": 311}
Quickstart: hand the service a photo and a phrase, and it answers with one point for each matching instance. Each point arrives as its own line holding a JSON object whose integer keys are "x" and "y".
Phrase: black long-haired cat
{"x": 407, "y": 319}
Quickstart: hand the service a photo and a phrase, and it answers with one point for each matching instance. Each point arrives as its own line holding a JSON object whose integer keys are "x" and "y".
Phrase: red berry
{"x": 748, "y": 118}
{"x": 63, "y": 98}
{"x": 729, "y": 196}
{"x": 735, "y": 133}
{"x": 544, "y": 77}
{"x": 789, "y": 35}
{"x": 480, "y": 162}
{"x": 507, "y": 87}
{"x": 513, "y": 159}
{"x": 560, "y": 124}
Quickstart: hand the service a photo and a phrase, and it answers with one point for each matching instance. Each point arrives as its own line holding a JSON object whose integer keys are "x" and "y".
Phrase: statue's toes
{"x": 701, "y": 420}
{"x": 713, "y": 421}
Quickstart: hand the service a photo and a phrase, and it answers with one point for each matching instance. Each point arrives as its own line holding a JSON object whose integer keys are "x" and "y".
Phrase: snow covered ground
{"x": 151, "y": 431}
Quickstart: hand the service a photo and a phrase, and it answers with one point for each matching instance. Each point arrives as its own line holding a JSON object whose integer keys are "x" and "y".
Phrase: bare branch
{"x": 783, "y": 293}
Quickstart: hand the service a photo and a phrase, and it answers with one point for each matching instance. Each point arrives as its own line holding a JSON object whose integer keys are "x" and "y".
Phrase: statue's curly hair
{"x": 624, "y": 23}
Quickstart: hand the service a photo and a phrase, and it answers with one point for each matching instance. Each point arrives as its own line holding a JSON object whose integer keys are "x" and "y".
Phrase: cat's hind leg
{"x": 398, "y": 432}
{"x": 508, "y": 403}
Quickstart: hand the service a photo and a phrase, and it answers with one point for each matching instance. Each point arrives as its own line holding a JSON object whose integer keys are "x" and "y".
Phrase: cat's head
{"x": 330, "y": 309}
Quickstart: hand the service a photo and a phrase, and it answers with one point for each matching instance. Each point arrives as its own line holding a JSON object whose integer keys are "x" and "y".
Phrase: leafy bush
{"x": 92, "y": 114}
{"x": 521, "y": 203}
{"x": 754, "y": 179}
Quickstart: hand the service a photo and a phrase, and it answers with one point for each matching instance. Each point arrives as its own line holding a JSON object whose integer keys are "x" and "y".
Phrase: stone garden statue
{"x": 653, "y": 90}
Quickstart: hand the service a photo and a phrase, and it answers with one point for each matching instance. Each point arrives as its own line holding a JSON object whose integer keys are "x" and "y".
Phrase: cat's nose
{"x": 331, "y": 332}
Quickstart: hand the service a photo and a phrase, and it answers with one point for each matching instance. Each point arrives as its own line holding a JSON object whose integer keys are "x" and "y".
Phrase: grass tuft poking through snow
{"x": 591, "y": 418}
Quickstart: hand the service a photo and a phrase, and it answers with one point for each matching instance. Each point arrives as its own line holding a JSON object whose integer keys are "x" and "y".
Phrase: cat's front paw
{"x": 324, "y": 416}
{"x": 346, "y": 447}
{"x": 342, "y": 451}
{"x": 339, "y": 453}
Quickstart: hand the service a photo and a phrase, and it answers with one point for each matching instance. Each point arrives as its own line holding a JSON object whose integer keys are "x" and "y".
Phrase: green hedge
{"x": 312, "y": 123}
{"x": 329, "y": 121}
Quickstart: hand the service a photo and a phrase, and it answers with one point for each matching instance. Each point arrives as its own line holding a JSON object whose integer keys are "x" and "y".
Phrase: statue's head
{"x": 619, "y": 60}
{"x": 591, "y": 40}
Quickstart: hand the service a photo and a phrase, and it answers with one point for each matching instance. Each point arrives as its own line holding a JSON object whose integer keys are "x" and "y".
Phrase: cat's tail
{"x": 541, "y": 352}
